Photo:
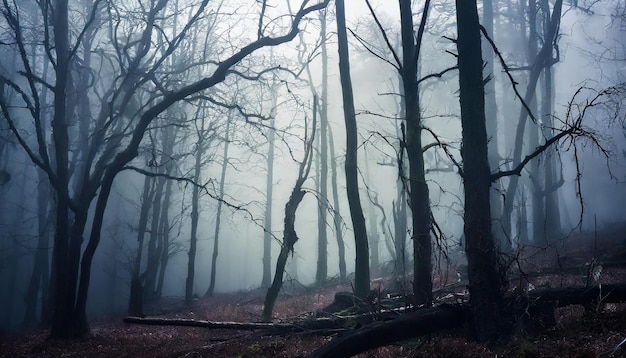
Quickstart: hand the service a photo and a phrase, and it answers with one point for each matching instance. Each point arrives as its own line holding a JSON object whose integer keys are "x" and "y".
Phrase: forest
{"x": 213, "y": 178}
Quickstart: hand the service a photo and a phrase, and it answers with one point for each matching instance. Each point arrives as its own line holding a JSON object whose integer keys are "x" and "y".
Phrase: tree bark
{"x": 63, "y": 299}
{"x": 491, "y": 116}
{"x": 418, "y": 194}
{"x": 485, "y": 281}
{"x": 362, "y": 273}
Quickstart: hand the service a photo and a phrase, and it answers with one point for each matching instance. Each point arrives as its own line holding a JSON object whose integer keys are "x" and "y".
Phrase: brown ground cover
{"x": 578, "y": 333}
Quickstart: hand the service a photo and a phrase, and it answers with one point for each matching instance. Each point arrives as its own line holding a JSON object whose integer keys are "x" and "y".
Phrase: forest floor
{"x": 577, "y": 333}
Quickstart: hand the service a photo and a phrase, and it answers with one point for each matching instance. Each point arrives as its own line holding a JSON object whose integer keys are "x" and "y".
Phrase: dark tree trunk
{"x": 491, "y": 116}
{"x": 39, "y": 278}
{"x": 35, "y": 285}
{"x": 290, "y": 237}
{"x": 362, "y": 273}
{"x": 551, "y": 195}
{"x": 149, "y": 276}
{"x": 418, "y": 194}
{"x": 63, "y": 299}
{"x": 485, "y": 281}
{"x": 533, "y": 132}
{"x": 165, "y": 237}
{"x": 216, "y": 237}
{"x": 195, "y": 215}
{"x": 135, "y": 304}
{"x": 399, "y": 208}
{"x": 81, "y": 324}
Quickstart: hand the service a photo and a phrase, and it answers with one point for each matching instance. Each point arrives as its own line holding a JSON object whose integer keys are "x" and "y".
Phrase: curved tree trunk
{"x": 543, "y": 59}
{"x": 362, "y": 273}
{"x": 290, "y": 237}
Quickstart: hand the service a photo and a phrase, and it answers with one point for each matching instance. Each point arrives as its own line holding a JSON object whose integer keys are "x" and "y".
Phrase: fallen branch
{"x": 245, "y": 326}
{"x": 320, "y": 326}
{"x": 540, "y": 313}
{"x": 390, "y": 326}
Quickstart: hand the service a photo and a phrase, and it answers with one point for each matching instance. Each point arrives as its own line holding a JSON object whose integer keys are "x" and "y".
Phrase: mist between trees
{"x": 185, "y": 148}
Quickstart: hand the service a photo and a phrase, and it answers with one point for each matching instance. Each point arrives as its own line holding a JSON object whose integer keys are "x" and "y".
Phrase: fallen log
{"x": 389, "y": 327}
{"x": 198, "y": 323}
{"x": 580, "y": 295}
{"x": 421, "y": 322}
{"x": 538, "y": 308}
{"x": 275, "y": 328}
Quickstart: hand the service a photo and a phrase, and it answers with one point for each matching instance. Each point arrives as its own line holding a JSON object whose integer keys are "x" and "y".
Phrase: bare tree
{"x": 485, "y": 281}
{"x": 119, "y": 126}
{"x": 290, "y": 237}
{"x": 362, "y": 273}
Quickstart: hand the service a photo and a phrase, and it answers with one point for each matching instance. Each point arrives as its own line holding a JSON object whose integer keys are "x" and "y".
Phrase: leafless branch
{"x": 383, "y": 32}
{"x": 437, "y": 75}
{"x": 507, "y": 70}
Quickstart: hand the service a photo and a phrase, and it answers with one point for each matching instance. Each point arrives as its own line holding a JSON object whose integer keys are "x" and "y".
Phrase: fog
{"x": 591, "y": 55}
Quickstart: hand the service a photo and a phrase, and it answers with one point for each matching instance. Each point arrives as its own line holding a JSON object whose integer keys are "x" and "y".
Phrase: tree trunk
{"x": 63, "y": 298}
{"x": 541, "y": 60}
{"x": 195, "y": 215}
{"x": 362, "y": 273}
{"x": 165, "y": 237}
{"x": 374, "y": 241}
{"x": 149, "y": 276}
{"x": 216, "y": 237}
{"x": 290, "y": 237}
{"x": 418, "y": 194}
{"x": 341, "y": 248}
{"x": 267, "y": 224}
{"x": 322, "y": 240}
{"x": 135, "y": 304}
{"x": 399, "y": 208}
{"x": 551, "y": 195}
{"x": 533, "y": 132}
{"x": 491, "y": 116}
{"x": 485, "y": 281}
{"x": 80, "y": 313}
{"x": 41, "y": 252}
